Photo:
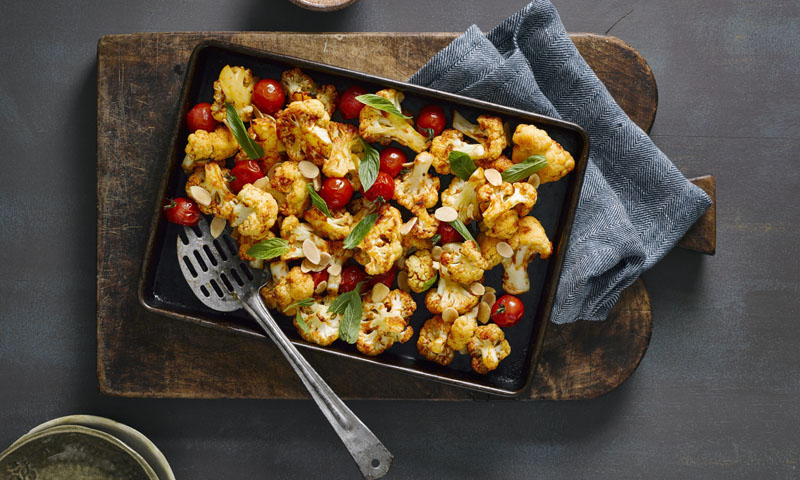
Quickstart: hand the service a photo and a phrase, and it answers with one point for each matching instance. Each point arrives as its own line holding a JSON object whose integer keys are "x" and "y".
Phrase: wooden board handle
{"x": 702, "y": 236}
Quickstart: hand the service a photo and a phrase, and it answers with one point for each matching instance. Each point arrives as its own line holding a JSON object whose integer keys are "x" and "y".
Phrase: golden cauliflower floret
{"x": 488, "y": 132}
{"x": 385, "y": 322}
{"x": 203, "y": 147}
{"x": 421, "y": 273}
{"x": 432, "y": 341}
{"x": 303, "y": 129}
{"x": 418, "y": 190}
{"x": 212, "y": 178}
{"x": 462, "y": 262}
{"x": 381, "y": 246}
{"x": 497, "y": 200}
{"x": 489, "y": 249}
{"x": 529, "y": 140}
{"x": 337, "y": 227}
{"x": 501, "y": 163}
{"x": 289, "y": 189}
{"x": 410, "y": 242}
{"x": 235, "y": 86}
{"x": 452, "y": 140}
{"x": 323, "y": 326}
{"x": 450, "y": 294}
{"x": 462, "y": 330}
{"x": 295, "y": 232}
{"x": 463, "y": 196}
{"x": 503, "y": 227}
{"x": 529, "y": 240}
{"x": 377, "y": 126}
{"x": 426, "y": 225}
{"x": 487, "y": 348}
{"x": 264, "y": 131}
{"x": 346, "y": 151}
{"x": 286, "y": 290}
{"x": 254, "y": 213}
{"x": 299, "y": 86}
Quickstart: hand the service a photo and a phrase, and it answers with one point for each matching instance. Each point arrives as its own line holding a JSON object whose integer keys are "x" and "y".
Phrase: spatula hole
{"x": 376, "y": 463}
{"x": 200, "y": 261}
{"x": 246, "y": 271}
{"x": 220, "y": 249}
{"x": 197, "y": 231}
{"x": 211, "y": 257}
{"x": 231, "y": 247}
{"x": 182, "y": 235}
{"x": 236, "y": 277}
{"x": 216, "y": 288}
{"x": 227, "y": 282}
{"x": 204, "y": 291}
{"x": 190, "y": 267}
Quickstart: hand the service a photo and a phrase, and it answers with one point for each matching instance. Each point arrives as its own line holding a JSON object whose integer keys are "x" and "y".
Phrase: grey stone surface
{"x": 716, "y": 395}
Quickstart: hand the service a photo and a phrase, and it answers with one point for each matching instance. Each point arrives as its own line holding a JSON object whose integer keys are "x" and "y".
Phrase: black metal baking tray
{"x": 162, "y": 288}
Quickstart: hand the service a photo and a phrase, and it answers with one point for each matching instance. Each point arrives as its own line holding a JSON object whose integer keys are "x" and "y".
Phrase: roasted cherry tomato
{"x": 384, "y": 278}
{"x": 199, "y": 118}
{"x": 348, "y": 105}
{"x": 319, "y": 277}
{"x": 383, "y": 187}
{"x": 431, "y": 118}
{"x": 351, "y": 276}
{"x": 336, "y": 192}
{"x": 268, "y": 96}
{"x": 448, "y": 233}
{"x": 244, "y": 172}
{"x": 182, "y": 211}
{"x": 392, "y": 160}
{"x": 507, "y": 311}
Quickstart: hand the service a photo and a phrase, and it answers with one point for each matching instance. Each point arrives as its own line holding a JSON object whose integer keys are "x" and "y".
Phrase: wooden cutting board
{"x": 140, "y": 354}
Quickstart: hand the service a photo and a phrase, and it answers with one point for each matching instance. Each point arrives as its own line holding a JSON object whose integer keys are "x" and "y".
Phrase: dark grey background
{"x": 716, "y": 395}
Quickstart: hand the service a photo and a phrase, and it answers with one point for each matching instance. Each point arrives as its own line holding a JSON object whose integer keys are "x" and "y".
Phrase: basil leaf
{"x": 350, "y": 324}
{"x": 306, "y": 302}
{"x": 369, "y": 165}
{"x": 270, "y": 248}
{"x": 300, "y": 322}
{"x": 318, "y": 201}
{"x": 339, "y": 304}
{"x": 461, "y": 164}
{"x": 462, "y": 229}
{"x": 429, "y": 283}
{"x": 380, "y": 103}
{"x": 435, "y": 239}
{"x": 525, "y": 169}
{"x": 250, "y": 147}
{"x": 360, "y": 231}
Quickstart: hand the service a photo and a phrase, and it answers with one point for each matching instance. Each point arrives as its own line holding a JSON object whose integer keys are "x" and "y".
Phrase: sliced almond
{"x": 483, "y": 312}
{"x": 505, "y": 250}
{"x": 335, "y": 269}
{"x": 306, "y": 266}
{"x": 436, "y": 265}
{"x": 262, "y": 183}
{"x": 316, "y": 183}
{"x": 200, "y": 195}
{"x": 493, "y": 177}
{"x": 406, "y": 227}
{"x": 436, "y": 252}
{"x": 477, "y": 289}
{"x": 446, "y": 214}
{"x": 324, "y": 259}
{"x": 535, "y": 180}
{"x": 407, "y": 164}
{"x": 490, "y": 290}
{"x": 379, "y": 292}
{"x": 402, "y": 281}
{"x": 271, "y": 171}
{"x": 489, "y": 298}
{"x": 321, "y": 286}
{"x": 311, "y": 251}
{"x": 308, "y": 169}
{"x": 449, "y": 314}
{"x": 217, "y": 226}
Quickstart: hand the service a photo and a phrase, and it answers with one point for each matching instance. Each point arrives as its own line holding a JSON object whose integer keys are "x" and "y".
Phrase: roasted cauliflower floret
{"x": 264, "y": 131}
{"x": 385, "y": 322}
{"x": 463, "y": 196}
{"x": 299, "y": 86}
{"x": 462, "y": 262}
{"x": 383, "y": 127}
{"x": 504, "y": 227}
{"x": 281, "y": 292}
{"x": 450, "y": 294}
{"x": 488, "y": 132}
{"x": 234, "y": 86}
{"x": 212, "y": 178}
{"x": 452, "y": 141}
{"x": 295, "y": 232}
{"x": 529, "y": 140}
{"x": 303, "y": 129}
{"x": 489, "y": 249}
{"x": 339, "y": 256}
{"x": 346, "y": 151}
{"x": 289, "y": 189}
{"x": 501, "y": 163}
{"x": 529, "y": 240}
{"x": 334, "y": 228}
{"x": 419, "y": 266}
{"x": 381, "y": 246}
{"x": 323, "y": 326}
{"x": 487, "y": 348}
{"x": 495, "y": 201}
{"x": 254, "y": 213}
{"x": 412, "y": 243}
{"x": 418, "y": 190}
{"x": 462, "y": 330}
{"x": 432, "y": 341}
{"x": 203, "y": 147}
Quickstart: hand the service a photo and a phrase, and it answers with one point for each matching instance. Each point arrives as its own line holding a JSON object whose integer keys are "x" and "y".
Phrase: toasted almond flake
{"x": 324, "y": 259}
{"x": 321, "y": 286}
{"x": 407, "y": 164}
{"x": 449, "y": 314}
{"x": 308, "y": 169}
{"x": 490, "y": 289}
{"x": 271, "y": 171}
{"x": 477, "y": 289}
{"x": 262, "y": 183}
{"x": 535, "y": 180}
{"x": 335, "y": 269}
{"x": 305, "y": 267}
{"x": 406, "y": 227}
{"x": 493, "y": 177}
{"x": 483, "y": 312}
{"x": 436, "y": 265}
{"x": 489, "y": 298}
{"x": 379, "y": 292}
{"x": 505, "y": 250}
{"x": 402, "y": 281}
{"x": 200, "y": 195}
{"x": 316, "y": 183}
{"x": 311, "y": 251}
{"x": 217, "y": 226}
{"x": 446, "y": 214}
{"x": 436, "y": 252}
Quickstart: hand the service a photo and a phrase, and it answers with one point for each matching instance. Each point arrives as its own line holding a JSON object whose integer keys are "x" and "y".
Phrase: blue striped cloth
{"x": 634, "y": 206}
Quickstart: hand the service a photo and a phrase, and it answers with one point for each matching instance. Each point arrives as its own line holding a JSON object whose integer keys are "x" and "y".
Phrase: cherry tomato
{"x": 392, "y": 160}
{"x": 199, "y": 118}
{"x": 348, "y": 105}
{"x": 431, "y": 117}
{"x": 319, "y": 277}
{"x": 268, "y": 96}
{"x": 351, "y": 276}
{"x": 507, "y": 311}
{"x": 448, "y": 233}
{"x": 383, "y": 187}
{"x": 384, "y": 278}
{"x": 245, "y": 172}
{"x": 182, "y": 211}
{"x": 336, "y": 192}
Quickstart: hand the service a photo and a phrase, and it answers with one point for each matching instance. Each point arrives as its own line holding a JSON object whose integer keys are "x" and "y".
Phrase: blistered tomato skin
{"x": 507, "y": 311}
{"x": 383, "y": 187}
{"x": 348, "y": 105}
{"x": 199, "y": 118}
{"x": 351, "y": 276}
{"x": 448, "y": 233}
{"x": 392, "y": 160}
{"x": 431, "y": 117}
{"x": 336, "y": 192}
{"x": 182, "y": 211}
{"x": 319, "y": 277}
{"x": 268, "y": 96}
{"x": 245, "y": 172}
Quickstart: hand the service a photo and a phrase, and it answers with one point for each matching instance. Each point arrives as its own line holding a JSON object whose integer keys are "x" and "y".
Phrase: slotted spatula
{"x": 223, "y": 282}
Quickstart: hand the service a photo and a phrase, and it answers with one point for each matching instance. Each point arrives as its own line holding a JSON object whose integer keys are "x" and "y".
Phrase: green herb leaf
{"x": 270, "y": 248}
{"x": 380, "y": 103}
{"x": 461, "y": 164}
{"x": 250, "y": 147}
{"x": 350, "y": 323}
{"x": 436, "y": 239}
{"x": 525, "y": 169}
{"x": 360, "y": 231}
{"x": 306, "y": 302}
{"x": 300, "y": 322}
{"x": 318, "y": 201}
{"x": 462, "y": 229}
{"x": 429, "y": 283}
{"x": 369, "y": 165}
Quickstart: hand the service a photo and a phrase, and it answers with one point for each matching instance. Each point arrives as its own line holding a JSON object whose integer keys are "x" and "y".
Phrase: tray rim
{"x": 557, "y": 260}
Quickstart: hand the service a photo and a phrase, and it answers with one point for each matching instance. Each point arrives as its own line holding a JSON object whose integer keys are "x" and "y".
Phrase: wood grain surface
{"x": 142, "y": 354}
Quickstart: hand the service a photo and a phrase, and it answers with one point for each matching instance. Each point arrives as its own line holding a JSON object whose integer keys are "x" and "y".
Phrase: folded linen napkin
{"x": 634, "y": 206}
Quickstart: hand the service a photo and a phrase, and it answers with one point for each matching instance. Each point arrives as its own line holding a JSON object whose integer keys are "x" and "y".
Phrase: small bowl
{"x": 323, "y": 5}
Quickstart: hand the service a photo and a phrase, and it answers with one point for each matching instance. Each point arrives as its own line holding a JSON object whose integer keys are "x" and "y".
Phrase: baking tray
{"x": 163, "y": 290}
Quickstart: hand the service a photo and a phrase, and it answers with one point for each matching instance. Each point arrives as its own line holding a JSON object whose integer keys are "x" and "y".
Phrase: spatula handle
{"x": 372, "y": 457}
